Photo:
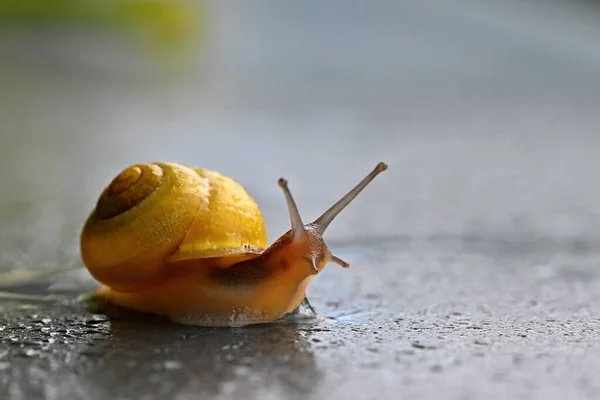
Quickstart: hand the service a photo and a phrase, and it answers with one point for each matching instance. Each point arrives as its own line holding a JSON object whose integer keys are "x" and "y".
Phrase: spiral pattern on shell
{"x": 128, "y": 189}
{"x": 152, "y": 215}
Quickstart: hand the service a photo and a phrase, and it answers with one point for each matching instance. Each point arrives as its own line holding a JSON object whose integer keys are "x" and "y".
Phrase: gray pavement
{"x": 475, "y": 257}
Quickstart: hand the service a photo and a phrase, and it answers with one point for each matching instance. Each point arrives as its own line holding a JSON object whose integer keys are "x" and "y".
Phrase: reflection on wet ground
{"x": 383, "y": 324}
{"x": 90, "y": 355}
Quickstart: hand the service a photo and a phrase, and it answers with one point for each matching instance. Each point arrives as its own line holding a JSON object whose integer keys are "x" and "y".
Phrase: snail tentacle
{"x": 328, "y": 216}
{"x": 295, "y": 218}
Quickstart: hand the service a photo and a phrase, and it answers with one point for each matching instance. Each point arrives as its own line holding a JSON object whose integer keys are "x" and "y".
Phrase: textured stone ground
{"x": 474, "y": 257}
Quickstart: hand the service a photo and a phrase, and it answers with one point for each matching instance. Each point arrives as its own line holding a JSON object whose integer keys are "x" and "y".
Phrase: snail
{"x": 190, "y": 244}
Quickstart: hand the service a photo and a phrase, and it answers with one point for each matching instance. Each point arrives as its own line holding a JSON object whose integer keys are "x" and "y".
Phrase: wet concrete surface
{"x": 434, "y": 320}
{"x": 474, "y": 258}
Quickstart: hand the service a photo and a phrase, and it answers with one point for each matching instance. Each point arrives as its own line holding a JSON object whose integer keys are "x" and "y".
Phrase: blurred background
{"x": 474, "y": 257}
{"x": 486, "y": 112}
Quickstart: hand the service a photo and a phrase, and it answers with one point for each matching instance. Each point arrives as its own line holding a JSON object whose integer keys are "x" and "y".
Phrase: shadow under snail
{"x": 190, "y": 244}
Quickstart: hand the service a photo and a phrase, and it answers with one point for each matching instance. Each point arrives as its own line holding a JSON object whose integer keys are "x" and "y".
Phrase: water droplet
{"x": 241, "y": 370}
{"x": 97, "y": 319}
{"x": 29, "y": 353}
{"x": 91, "y": 352}
{"x": 436, "y": 368}
{"x": 424, "y": 346}
{"x": 171, "y": 365}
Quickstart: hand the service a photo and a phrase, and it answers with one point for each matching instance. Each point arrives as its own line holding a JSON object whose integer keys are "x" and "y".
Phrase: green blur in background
{"x": 169, "y": 30}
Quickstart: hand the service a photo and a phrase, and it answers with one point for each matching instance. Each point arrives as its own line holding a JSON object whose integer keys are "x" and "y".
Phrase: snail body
{"x": 190, "y": 244}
